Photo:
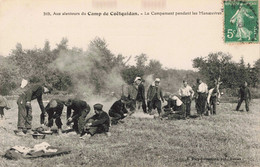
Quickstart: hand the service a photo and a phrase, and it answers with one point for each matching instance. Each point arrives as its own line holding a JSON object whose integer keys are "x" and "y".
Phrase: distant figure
{"x": 3, "y": 105}
{"x": 244, "y": 95}
{"x": 118, "y": 110}
{"x": 242, "y": 31}
{"x": 213, "y": 97}
{"x": 25, "y": 108}
{"x": 99, "y": 123}
{"x": 132, "y": 94}
{"x": 202, "y": 96}
{"x": 140, "y": 98}
{"x": 154, "y": 96}
{"x": 186, "y": 94}
{"x": 175, "y": 108}
{"x": 81, "y": 110}
{"x": 54, "y": 110}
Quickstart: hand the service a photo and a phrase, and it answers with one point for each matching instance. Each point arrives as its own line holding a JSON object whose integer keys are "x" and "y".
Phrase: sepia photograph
{"x": 129, "y": 83}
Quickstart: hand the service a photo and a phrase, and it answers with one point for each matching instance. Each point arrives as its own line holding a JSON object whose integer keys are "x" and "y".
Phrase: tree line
{"x": 98, "y": 71}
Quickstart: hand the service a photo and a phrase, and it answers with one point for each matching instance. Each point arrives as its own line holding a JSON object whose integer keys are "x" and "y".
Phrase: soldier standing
{"x": 244, "y": 95}
{"x": 202, "y": 96}
{"x": 25, "y": 108}
{"x": 186, "y": 94}
{"x": 154, "y": 96}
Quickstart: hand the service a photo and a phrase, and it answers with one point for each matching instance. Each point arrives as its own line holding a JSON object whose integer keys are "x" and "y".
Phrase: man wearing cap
{"x": 118, "y": 110}
{"x": 54, "y": 110}
{"x": 99, "y": 123}
{"x": 202, "y": 96}
{"x": 132, "y": 94}
{"x": 175, "y": 108}
{"x": 81, "y": 110}
{"x": 25, "y": 109}
{"x": 140, "y": 98}
{"x": 186, "y": 94}
{"x": 154, "y": 96}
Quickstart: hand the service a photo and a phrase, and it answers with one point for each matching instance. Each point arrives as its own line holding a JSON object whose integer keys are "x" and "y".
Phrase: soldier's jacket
{"x": 78, "y": 106}
{"x": 140, "y": 92}
{"x": 55, "y": 106}
{"x": 132, "y": 91}
{"x": 118, "y": 107}
{"x": 35, "y": 92}
{"x": 100, "y": 119}
{"x": 244, "y": 93}
{"x": 152, "y": 91}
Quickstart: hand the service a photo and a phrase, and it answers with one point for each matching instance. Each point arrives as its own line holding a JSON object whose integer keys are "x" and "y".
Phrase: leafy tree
{"x": 213, "y": 67}
{"x": 218, "y": 66}
{"x": 141, "y": 61}
{"x": 8, "y": 73}
{"x": 256, "y": 72}
{"x": 155, "y": 67}
{"x": 129, "y": 74}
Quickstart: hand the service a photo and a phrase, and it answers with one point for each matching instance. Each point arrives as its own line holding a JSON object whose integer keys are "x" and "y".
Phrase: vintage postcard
{"x": 129, "y": 83}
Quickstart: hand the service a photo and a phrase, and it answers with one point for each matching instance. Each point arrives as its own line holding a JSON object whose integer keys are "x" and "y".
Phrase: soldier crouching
{"x": 81, "y": 110}
{"x": 174, "y": 109}
{"x": 99, "y": 123}
{"x": 54, "y": 110}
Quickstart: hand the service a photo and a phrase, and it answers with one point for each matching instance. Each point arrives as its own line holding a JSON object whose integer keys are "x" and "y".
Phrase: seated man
{"x": 175, "y": 108}
{"x": 54, "y": 110}
{"x": 99, "y": 123}
{"x": 118, "y": 110}
{"x": 81, "y": 110}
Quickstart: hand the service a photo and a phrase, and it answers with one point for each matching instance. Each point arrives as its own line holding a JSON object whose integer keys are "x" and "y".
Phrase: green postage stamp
{"x": 241, "y": 21}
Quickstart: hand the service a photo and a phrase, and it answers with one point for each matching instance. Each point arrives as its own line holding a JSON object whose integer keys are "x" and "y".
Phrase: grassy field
{"x": 229, "y": 138}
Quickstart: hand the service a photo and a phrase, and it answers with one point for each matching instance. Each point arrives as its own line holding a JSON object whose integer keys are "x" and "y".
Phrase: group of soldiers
{"x": 178, "y": 106}
{"x": 77, "y": 112}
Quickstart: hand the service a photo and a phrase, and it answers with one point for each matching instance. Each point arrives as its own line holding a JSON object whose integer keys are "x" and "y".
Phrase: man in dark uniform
{"x": 81, "y": 110}
{"x": 140, "y": 98}
{"x": 25, "y": 108}
{"x": 54, "y": 110}
{"x": 99, "y": 123}
{"x": 118, "y": 110}
{"x": 154, "y": 97}
{"x": 245, "y": 95}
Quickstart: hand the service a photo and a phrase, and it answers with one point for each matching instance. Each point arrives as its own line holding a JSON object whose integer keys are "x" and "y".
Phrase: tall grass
{"x": 227, "y": 139}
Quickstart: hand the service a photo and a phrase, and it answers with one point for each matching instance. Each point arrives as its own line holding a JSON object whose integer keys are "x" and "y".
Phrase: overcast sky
{"x": 173, "y": 40}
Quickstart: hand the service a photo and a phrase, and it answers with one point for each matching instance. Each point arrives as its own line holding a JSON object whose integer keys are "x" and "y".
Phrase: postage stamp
{"x": 241, "y": 21}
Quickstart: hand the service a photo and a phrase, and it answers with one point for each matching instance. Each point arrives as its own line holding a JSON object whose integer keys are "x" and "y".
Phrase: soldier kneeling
{"x": 174, "y": 108}
{"x": 118, "y": 110}
{"x": 99, "y": 123}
